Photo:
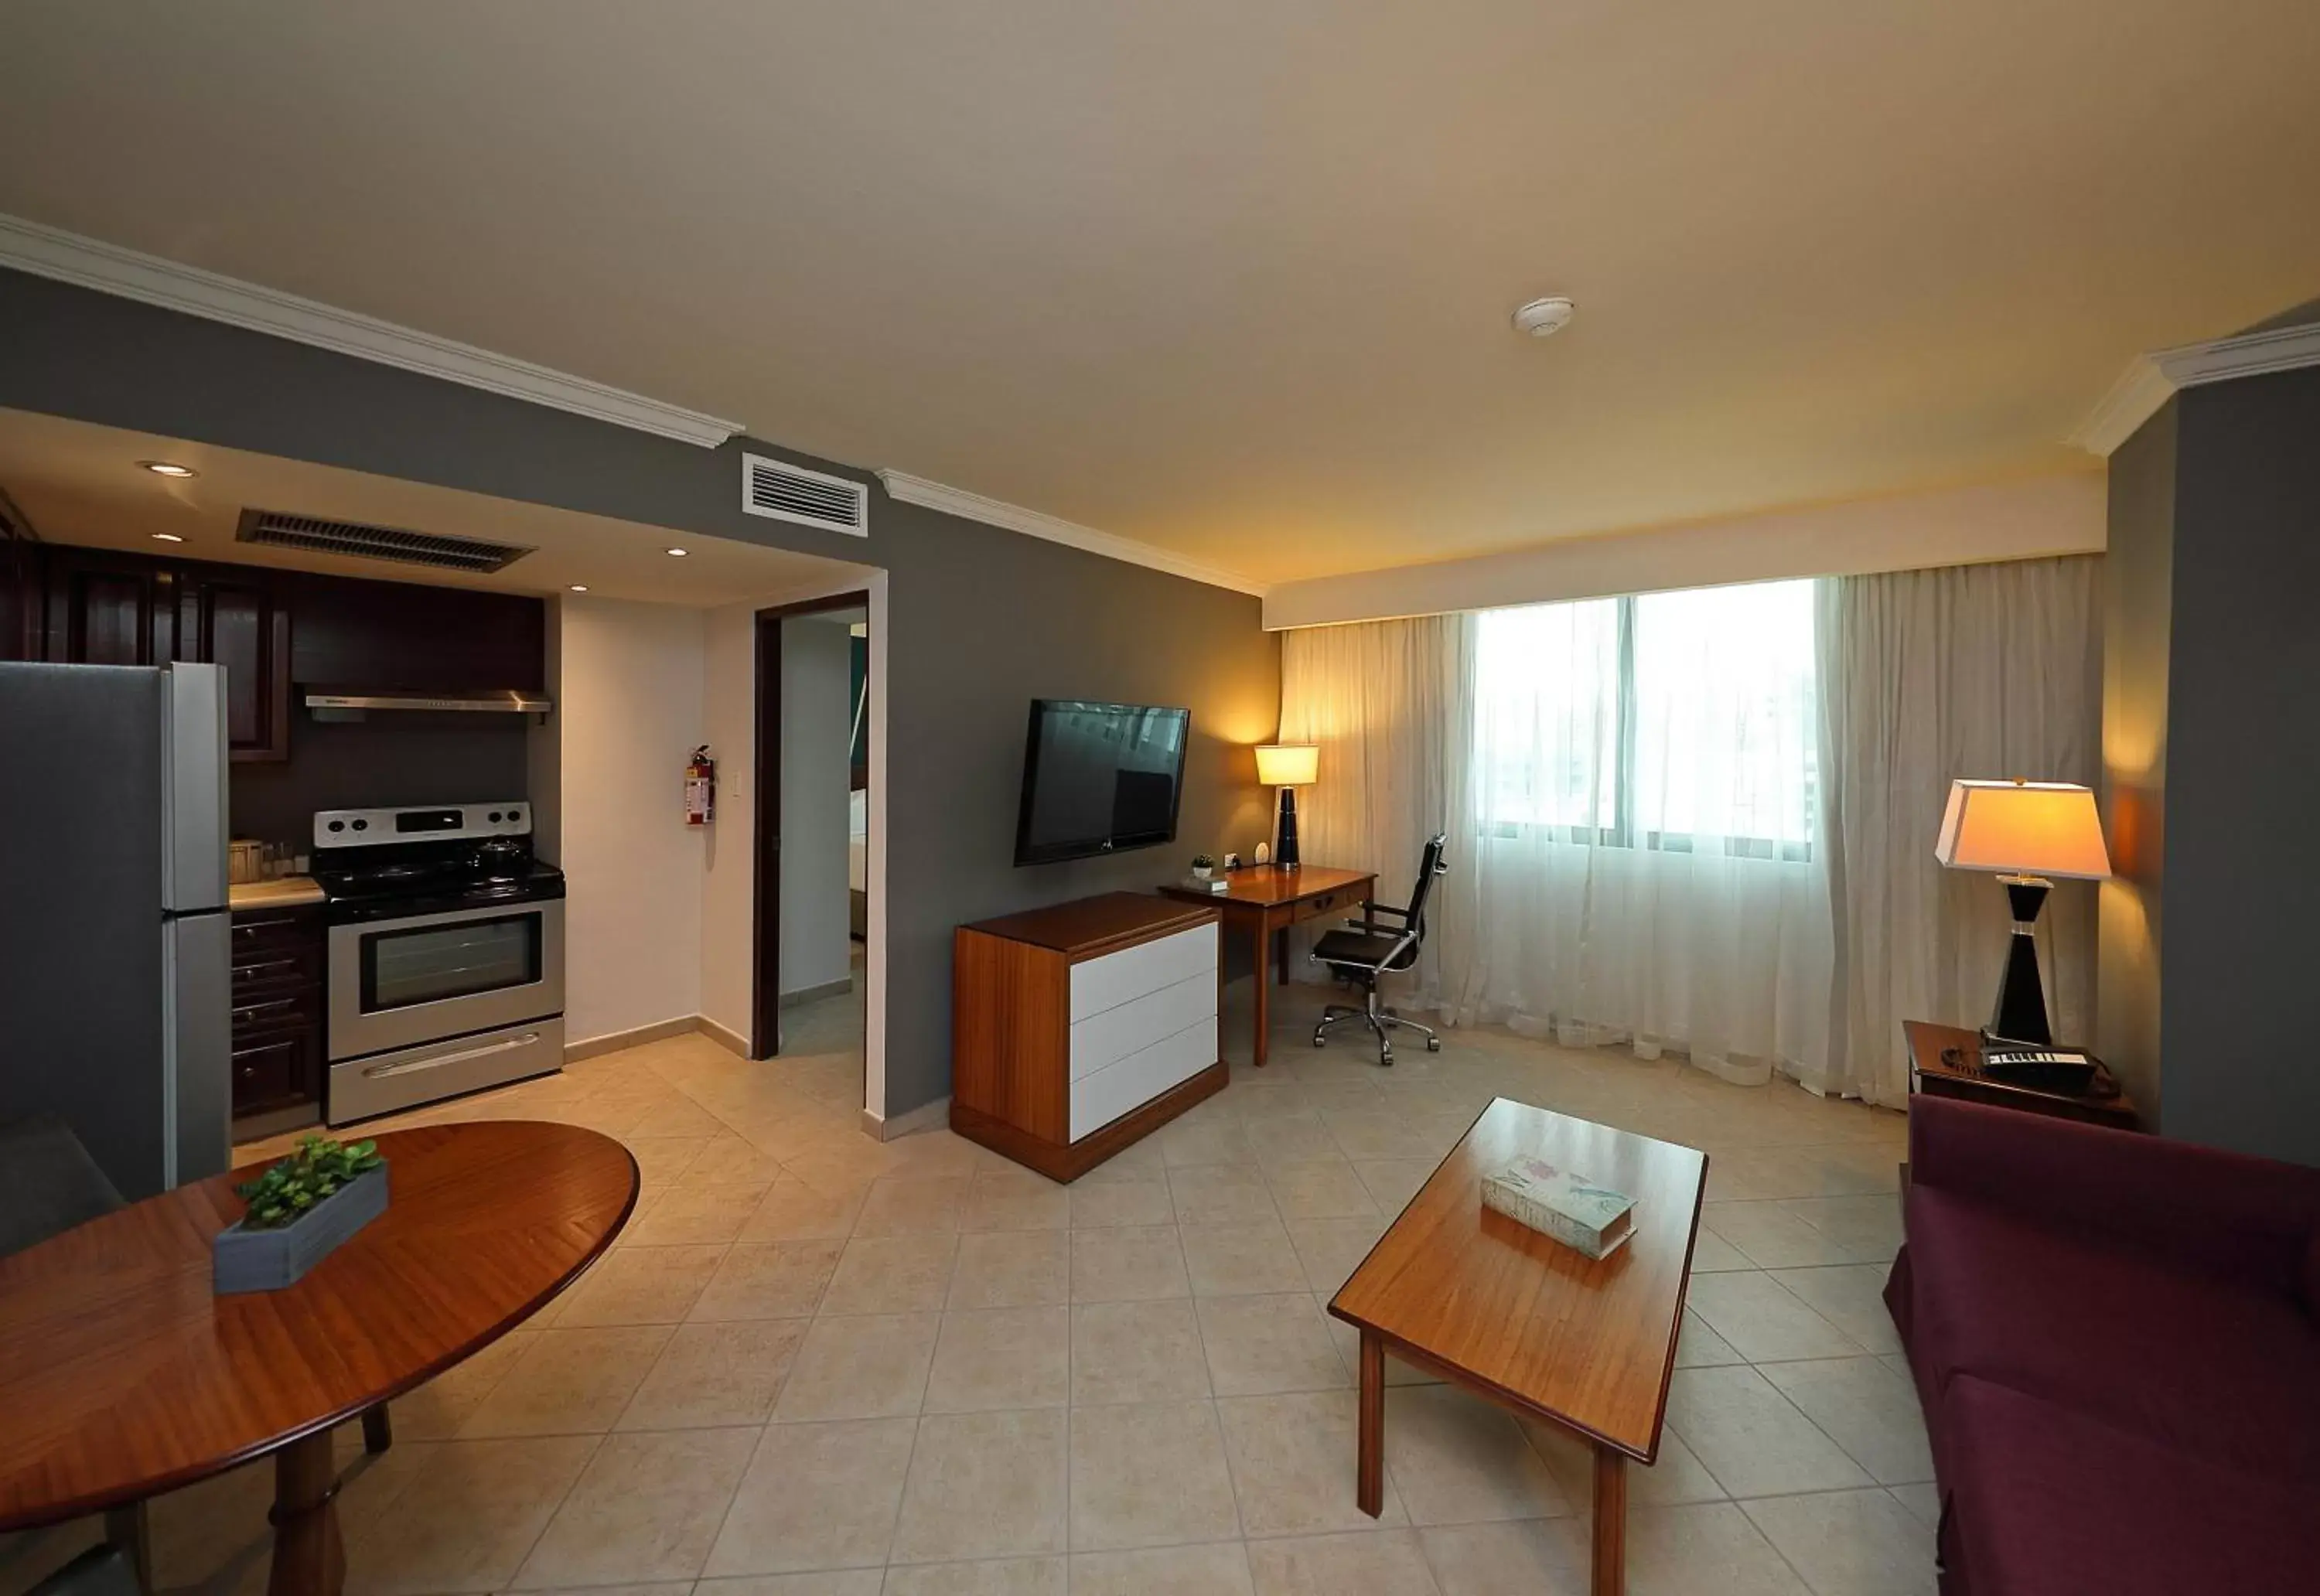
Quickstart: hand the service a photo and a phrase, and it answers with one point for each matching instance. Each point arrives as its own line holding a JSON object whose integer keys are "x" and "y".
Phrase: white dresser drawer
{"x": 1136, "y": 1080}
{"x": 1103, "y": 1039}
{"x": 1106, "y": 983}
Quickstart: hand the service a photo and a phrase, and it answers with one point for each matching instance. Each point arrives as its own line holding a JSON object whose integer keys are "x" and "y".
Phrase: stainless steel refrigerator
{"x": 114, "y": 963}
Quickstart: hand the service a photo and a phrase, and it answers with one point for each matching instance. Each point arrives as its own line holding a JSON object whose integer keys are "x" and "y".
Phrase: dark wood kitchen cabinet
{"x": 225, "y": 618}
{"x": 277, "y": 1010}
{"x": 103, "y": 608}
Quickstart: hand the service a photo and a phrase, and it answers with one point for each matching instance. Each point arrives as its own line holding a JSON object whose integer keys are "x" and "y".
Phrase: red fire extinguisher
{"x": 701, "y": 788}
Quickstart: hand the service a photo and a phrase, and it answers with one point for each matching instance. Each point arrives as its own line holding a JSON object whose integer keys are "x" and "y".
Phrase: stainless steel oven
{"x": 426, "y": 977}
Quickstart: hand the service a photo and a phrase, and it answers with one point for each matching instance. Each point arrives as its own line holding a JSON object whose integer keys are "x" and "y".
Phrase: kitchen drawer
{"x": 275, "y": 1011}
{"x": 271, "y": 971}
{"x": 1141, "y": 1076}
{"x": 277, "y": 1068}
{"x": 1116, "y": 978}
{"x": 262, "y": 931}
{"x": 1105, "y": 1038}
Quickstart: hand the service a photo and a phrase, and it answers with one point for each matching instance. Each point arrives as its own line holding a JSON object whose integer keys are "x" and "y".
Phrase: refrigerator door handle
{"x": 194, "y": 789}
{"x": 197, "y": 1075}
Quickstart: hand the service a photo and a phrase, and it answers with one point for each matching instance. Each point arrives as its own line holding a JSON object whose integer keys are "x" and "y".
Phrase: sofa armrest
{"x": 2199, "y": 1208}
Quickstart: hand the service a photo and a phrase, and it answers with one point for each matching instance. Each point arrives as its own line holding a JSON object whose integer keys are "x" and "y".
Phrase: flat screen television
{"x": 1099, "y": 778}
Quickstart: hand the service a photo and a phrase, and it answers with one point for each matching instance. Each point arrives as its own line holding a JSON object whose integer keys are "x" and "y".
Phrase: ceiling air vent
{"x": 359, "y": 541}
{"x": 792, "y": 493}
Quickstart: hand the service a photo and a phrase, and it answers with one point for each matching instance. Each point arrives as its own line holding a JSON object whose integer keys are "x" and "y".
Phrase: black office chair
{"x": 1363, "y": 951}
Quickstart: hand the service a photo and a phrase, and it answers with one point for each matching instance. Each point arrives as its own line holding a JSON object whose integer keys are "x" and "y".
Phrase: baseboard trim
{"x": 814, "y": 994}
{"x": 613, "y": 1041}
{"x": 733, "y": 1041}
{"x": 926, "y": 1117}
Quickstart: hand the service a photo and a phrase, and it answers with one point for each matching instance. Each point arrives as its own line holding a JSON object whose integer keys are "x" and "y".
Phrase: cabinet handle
{"x": 254, "y": 1010}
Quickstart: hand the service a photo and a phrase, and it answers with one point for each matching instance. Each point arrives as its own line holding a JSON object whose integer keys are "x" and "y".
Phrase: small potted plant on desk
{"x": 300, "y": 1210}
{"x": 1203, "y": 866}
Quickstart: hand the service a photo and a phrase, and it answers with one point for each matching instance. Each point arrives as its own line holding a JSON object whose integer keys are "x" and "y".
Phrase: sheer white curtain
{"x": 1929, "y": 675}
{"x": 1641, "y": 829}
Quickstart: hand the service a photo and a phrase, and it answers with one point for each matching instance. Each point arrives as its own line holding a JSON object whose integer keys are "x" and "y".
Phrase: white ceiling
{"x": 1231, "y": 276}
{"x": 82, "y": 484}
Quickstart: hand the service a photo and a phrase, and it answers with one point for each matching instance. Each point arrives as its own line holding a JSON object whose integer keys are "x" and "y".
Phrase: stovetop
{"x": 387, "y": 863}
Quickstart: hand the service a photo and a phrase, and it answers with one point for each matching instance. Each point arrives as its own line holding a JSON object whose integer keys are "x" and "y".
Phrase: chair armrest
{"x": 2201, "y": 1208}
{"x": 1370, "y": 908}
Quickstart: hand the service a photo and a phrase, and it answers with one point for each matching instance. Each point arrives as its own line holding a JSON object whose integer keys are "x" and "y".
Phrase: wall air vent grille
{"x": 359, "y": 541}
{"x": 784, "y": 492}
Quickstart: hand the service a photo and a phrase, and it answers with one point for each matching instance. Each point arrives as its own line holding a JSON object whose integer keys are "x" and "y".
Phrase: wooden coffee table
{"x": 1479, "y": 1300}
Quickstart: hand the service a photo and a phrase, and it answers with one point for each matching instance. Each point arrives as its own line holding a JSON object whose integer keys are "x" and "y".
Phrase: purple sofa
{"x": 2117, "y": 1341}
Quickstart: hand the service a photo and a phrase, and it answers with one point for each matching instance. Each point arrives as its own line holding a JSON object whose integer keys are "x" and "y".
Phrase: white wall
{"x": 631, "y": 705}
{"x": 816, "y": 721}
{"x": 729, "y": 888}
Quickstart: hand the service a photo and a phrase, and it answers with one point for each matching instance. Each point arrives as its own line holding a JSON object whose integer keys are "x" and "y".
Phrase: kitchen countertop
{"x": 283, "y": 892}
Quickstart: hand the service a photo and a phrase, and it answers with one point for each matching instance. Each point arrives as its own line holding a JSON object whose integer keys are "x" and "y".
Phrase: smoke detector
{"x": 1544, "y": 318}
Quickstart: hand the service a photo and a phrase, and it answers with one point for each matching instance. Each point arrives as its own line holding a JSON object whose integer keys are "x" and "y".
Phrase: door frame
{"x": 766, "y": 878}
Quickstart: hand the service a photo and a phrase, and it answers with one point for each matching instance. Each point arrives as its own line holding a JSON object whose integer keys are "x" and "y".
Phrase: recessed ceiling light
{"x": 680, "y": 553}
{"x": 1543, "y": 318}
{"x": 168, "y": 468}
{"x": 579, "y": 587}
{"x": 166, "y": 537}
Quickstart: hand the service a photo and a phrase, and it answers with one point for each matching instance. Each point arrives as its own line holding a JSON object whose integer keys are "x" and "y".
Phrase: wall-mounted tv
{"x": 1099, "y": 778}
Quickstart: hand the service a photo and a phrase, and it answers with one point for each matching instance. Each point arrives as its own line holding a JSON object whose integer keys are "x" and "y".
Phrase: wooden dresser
{"x": 1077, "y": 1029}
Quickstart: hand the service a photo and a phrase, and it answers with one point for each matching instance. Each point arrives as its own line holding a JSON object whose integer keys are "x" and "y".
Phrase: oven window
{"x": 428, "y": 964}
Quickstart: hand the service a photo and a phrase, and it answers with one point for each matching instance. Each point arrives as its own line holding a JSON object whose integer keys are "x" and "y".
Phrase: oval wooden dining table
{"x": 123, "y": 1375}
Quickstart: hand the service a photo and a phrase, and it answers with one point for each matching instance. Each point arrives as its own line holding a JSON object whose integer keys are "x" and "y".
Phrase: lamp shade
{"x": 2024, "y": 829}
{"x": 1287, "y": 764}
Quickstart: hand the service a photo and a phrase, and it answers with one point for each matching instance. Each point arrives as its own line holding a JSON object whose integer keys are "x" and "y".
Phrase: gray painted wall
{"x": 2212, "y": 595}
{"x": 981, "y": 620}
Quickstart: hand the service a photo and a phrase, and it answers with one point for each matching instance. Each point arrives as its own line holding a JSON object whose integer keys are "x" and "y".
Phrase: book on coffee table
{"x": 1574, "y": 1210}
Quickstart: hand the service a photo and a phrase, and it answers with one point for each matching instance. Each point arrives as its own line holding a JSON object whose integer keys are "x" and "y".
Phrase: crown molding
{"x": 2150, "y": 380}
{"x": 91, "y": 263}
{"x": 998, "y": 512}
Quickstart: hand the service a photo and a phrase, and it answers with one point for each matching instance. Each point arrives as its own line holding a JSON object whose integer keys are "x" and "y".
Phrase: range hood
{"x": 351, "y": 703}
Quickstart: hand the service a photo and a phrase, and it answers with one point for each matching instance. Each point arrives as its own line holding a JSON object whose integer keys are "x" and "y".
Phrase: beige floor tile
{"x": 1129, "y": 1264}
{"x": 1854, "y": 1543}
{"x": 1367, "y": 1562}
{"x": 1012, "y": 1269}
{"x": 1865, "y": 1408}
{"x": 1137, "y": 1352}
{"x": 1000, "y": 1357}
{"x": 1752, "y": 1439}
{"x": 1220, "y": 1194}
{"x": 695, "y": 1215}
{"x": 1769, "y": 1236}
{"x": 437, "y": 1410}
{"x": 1922, "y": 1503}
{"x": 1852, "y": 1297}
{"x": 465, "y": 1520}
{"x": 1711, "y": 1548}
{"x": 570, "y": 1382}
{"x": 1392, "y": 1183}
{"x": 1138, "y": 1162}
{"x": 860, "y": 1366}
{"x": 662, "y": 1159}
{"x": 646, "y": 1507}
{"x": 1370, "y": 1135}
{"x": 1869, "y": 1227}
{"x": 1712, "y": 1255}
{"x": 1241, "y": 1260}
{"x": 1324, "y": 1188}
{"x": 1100, "y": 1204}
{"x": 841, "y": 1581}
{"x": 1763, "y": 1321}
{"x": 1330, "y": 1249}
{"x": 1289, "y": 1137}
{"x": 651, "y": 1588}
{"x": 1002, "y": 1576}
{"x": 716, "y": 1375}
{"x": 1258, "y": 1346}
{"x": 673, "y": 1115}
{"x": 1348, "y": 1340}
{"x": 1293, "y": 1463}
{"x": 1220, "y": 1569}
{"x": 732, "y": 1163}
{"x": 1012, "y": 1199}
{"x": 1676, "y": 1478}
{"x": 816, "y": 1496}
{"x": 639, "y": 1285}
{"x": 1458, "y": 1459}
{"x": 985, "y": 1485}
{"x": 907, "y": 1273}
{"x": 769, "y": 1280}
{"x": 1539, "y": 1557}
{"x": 1697, "y": 1346}
{"x": 792, "y": 1210}
{"x": 1148, "y": 1475}
{"x": 900, "y": 1205}
{"x": 1836, "y": 1170}
{"x": 1200, "y": 1137}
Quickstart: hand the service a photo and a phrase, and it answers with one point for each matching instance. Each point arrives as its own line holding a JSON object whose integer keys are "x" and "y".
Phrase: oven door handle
{"x": 379, "y": 1072}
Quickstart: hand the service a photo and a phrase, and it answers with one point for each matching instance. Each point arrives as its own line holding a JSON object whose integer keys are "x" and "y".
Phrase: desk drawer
{"x": 1116, "y": 978}
{"x": 1136, "y": 1080}
{"x": 1106, "y": 1038}
{"x": 1334, "y": 905}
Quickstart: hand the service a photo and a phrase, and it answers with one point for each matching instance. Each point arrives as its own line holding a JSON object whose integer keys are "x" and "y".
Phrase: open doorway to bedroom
{"x": 813, "y": 849}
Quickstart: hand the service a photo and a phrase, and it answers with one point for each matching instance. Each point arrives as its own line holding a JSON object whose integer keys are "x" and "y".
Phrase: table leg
{"x": 309, "y": 1559}
{"x": 1264, "y": 989}
{"x": 1610, "y": 1577}
{"x": 1369, "y": 1465}
{"x": 378, "y": 1430}
{"x": 128, "y": 1528}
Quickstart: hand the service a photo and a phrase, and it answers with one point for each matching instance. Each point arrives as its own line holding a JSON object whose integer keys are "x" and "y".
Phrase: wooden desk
{"x": 1266, "y": 901}
{"x": 123, "y": 1376}
{"x": 1930, "y": 1074}
{"x": 1481, "y": 1300}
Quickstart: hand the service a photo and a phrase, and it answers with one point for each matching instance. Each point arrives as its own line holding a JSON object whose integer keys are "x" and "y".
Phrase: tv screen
{"x": 1099, "y": 778}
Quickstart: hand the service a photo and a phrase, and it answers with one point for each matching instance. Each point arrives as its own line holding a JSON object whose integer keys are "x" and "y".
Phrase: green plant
{"x": 1202, "y": 862}
{"x": 319, "y": 1168}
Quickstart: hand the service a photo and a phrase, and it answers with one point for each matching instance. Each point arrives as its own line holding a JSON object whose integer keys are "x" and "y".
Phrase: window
{"x": 1680, "y": 722}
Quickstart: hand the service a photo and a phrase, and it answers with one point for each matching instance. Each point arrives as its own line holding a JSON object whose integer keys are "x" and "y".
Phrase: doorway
{"x": 812, "y": 887}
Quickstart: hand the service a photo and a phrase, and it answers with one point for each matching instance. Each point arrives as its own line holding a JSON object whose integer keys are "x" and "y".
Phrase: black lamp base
{"x": 1285, "y": 856}
{"x": 2020, "y": 1015}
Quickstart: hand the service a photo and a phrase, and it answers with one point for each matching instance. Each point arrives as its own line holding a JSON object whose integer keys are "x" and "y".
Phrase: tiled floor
{"x": 815, "y": 1365}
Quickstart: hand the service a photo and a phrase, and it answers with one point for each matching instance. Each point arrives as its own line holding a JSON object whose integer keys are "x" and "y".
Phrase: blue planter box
{"x": 267, "y": 1260}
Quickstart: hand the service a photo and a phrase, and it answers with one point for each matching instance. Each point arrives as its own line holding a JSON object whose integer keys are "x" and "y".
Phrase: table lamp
{"x": 2025, "y": 831}
{"x": 1289, "y": 766}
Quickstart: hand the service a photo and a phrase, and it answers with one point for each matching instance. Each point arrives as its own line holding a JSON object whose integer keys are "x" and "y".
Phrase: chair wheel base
{"x": 1434, "y": 1044}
